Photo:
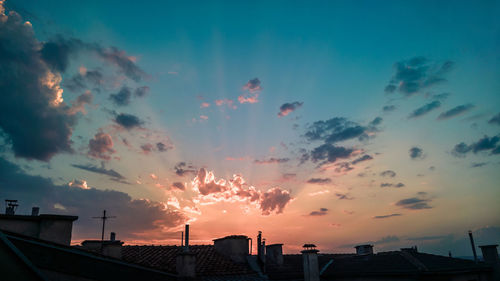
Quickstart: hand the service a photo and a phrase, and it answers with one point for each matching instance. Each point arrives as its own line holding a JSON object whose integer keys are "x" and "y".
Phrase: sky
{"x": 328, "y": 122}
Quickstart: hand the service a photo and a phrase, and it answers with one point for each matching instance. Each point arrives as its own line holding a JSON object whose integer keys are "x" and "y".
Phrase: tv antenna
{"x": 104, "y": 218}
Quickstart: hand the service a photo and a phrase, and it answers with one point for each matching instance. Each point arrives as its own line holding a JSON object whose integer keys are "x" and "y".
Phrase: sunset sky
{"x": 325, "y": 122}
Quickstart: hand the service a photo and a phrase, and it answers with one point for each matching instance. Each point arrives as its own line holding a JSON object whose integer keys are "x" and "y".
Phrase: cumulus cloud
{"x": 320, "y": 212}
{"x": 122, "y": 98}
{"x": 415, "y": 203}
{"x": 236, "y": 190}
{"x": 272, "y": 160}
{"x": 79, "y": 183}
{"x": 416, "y": 152}
{"x": 425, "y": 109}
{"x": 417, "y": 74}
{"x": 387, "y": 216}
{"x": 134, "y": 216}
{"x": 253, "y": 89}
{"x": 388, "y": 173}
{"x": 128, "y": 121}
{"x": 319, "y": 180}
{"x": 336, "y": 129}
{"x": 328, "y": 153}
{"x": 288, "y": 108}
{"x": 484, "y": 144}
{"x": 101, "y": 146}
{"x": 183, "y": 168}
{"x": 456, "y": 111}
{"x": 100, "y": 170}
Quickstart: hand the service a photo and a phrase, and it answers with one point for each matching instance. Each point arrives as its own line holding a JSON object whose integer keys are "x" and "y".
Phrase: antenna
{"x": 11, "y": 207}
{"x": 103, "y": 218}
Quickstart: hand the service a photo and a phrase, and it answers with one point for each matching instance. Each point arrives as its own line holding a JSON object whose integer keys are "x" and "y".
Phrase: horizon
{"x": 331, "y": 122}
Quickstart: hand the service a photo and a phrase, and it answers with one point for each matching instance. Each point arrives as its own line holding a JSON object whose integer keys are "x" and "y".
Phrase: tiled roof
{"x": 208, "y": 261}
{"x": 398, "y": 263}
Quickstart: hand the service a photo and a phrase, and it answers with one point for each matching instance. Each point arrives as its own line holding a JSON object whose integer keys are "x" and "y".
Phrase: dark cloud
{"x": 133, "y": 215}
{"x": 387, "y": 216}
{"x": 376, "y": 121}
{"x": 478, "y": 165}
{"x": 319, "y": 180}
{"x": 427, "y": 238}
{"x": 416, "y": 153}
{"x": 415, "y": 203}
{"x": 253, "y": 85}
{"x": 179, "y": 185}
{"x": 343, "y": 196}
{"x": 495, "y": 119}
{"x": 397, "y": 185}
{"x": 141, "y": 91}
{"x": 388, "y": 173}
{"x": 458, "y": 110}
{"x": 99, "y": 170}
{"x": 363, "y": 158}
{"x": 122, "y": 98}
{"x": 101, "y": 146}
{"x": 288, "y": 108}
{"x": 272, "y": 160}
{"x": 58, "y": 52}
{"x": 147, "y": 148}
{"x": 484, "y": 144}
{"x": 162, "y": 147}
{"x": 33, "y": 118}
{"x": 416, "y": 74}
{"x": 328, "y": 153}
{"x": 84, "y": 80}
{"x": 425, "y": 109}
{"x": 274, "y": 200}
{"x": 128, "y": 121}
{"x": 182, "y": 169}
{"x": 389, "y": 108}
{"x": 320, "y": 212}
{"x": 78, "y": 105}
{"x": 334, "y": 130}
{"x": 438, "y": 97}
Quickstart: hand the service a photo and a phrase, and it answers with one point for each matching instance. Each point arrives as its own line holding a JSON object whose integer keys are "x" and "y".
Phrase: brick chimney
{"x": 310, "y": 262}
{"x": 274, "y": 254}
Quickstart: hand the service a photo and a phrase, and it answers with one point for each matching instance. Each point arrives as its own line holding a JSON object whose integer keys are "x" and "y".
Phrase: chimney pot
{"x": 310, "y": 263}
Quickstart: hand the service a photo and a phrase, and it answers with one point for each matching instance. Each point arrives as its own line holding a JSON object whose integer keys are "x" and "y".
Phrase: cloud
{"x": 122, "y": 98}
{"x": 320, "y": 181}
{"x": 228, "y": 102}
{"x": 204, "y": 105}
{"x": 456, "y": 111}
{"x": 417, "y": 74}
{"x": 363, "y": 158}
{"x": 101, "y": 146}
{"x": 397, "y": 185}
{"x": 78, "y": 105}
{"x": 425, "y": 109}
{"x": 328, "y": 153}
{"x": 99, "y": 170}
{"x": 415, "y": 203}
{"x": 128, "y": 121}
{"x": 388, "y": 173}
{"x": 288, "y": 108}
{"x": 162, "y": 146}
{"x": 387, "y": 216}
{"x": 33, "y": 116}
{"x": 484, "y": 144}
{"x": 79, "y": 183}
{"x": 495, "y": 119}
{"x": 141, "y": 92}
{"x": 236, "y": 190}
{"x": 416, "y": 153}
{"x": 334, "y": 130}
{"x": 182, "y": 169}
{"x": 253, "y": 87}
{"x": 134, "y": 216}
{"x": 320, "y": 212}
{"x": 84, "y": 80}
{"x": 179, "y": 185}
{"x": 272, "y": 160}
{"x": 388, "y": 108}
{"x": 343, "y": 196}
{"x": 478, "y": 165}
{"x": 147, "y": 148}
{"x": 427, "y": 238}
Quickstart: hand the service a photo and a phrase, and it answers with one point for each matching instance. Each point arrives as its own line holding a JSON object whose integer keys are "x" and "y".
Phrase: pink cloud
{"x": 101, "y": 146}
{"x": 204, "y": 117}
{"x": 204, "y": 105}
{"x": 252, "y": 96}
{"x": 228, "y": 102}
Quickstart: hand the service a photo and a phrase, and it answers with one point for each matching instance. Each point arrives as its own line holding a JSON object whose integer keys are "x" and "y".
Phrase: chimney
{"x": 490, "y": 254}
{"x": 473, "y": 246}
{"x": 274, "y": 254}
{"x": 310, "y": 262}
{"x": 112, "y": 236}
{"x": 365, "y": 249}
{"x": 111, "y": 248}
{"x": 235, "y": 247}
{"x": 186, "y": 260}
{"x": 11, "y": 206}
{"x": 35, "y": 211}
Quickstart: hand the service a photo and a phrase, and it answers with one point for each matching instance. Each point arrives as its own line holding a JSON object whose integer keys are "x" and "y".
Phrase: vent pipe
{"x": 186, "y": 241}
{"x": 473, "y": 246}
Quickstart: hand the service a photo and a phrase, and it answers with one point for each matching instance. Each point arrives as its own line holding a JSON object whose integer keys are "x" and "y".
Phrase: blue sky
{"x": 329, "y": 61}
